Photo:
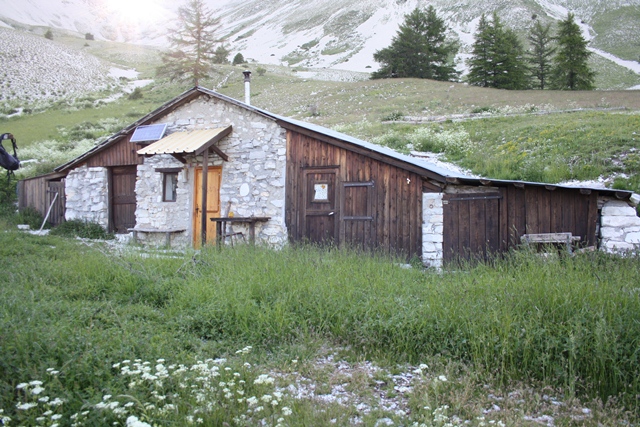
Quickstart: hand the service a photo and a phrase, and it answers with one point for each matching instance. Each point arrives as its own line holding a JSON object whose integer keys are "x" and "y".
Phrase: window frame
{"x": 169, "y": 173}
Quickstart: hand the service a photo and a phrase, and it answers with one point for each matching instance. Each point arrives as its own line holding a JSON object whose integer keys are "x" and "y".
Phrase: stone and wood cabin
{"x": 281, "y": 181}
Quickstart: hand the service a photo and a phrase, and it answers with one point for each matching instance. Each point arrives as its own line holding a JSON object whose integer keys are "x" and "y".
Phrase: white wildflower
{"x": 133, "y": 421}
{"x": 263, "y": 379}
{"x": 56, "y": 402}
{"x": 37, "y": 390}
{"x": 286, "y": 411}
{"x": 26, "y": 406}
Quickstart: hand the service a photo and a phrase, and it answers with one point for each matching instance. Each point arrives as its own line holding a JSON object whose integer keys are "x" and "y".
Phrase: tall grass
{"x": 572, "y": 323}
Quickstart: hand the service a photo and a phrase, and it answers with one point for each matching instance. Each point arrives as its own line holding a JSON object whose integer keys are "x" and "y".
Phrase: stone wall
{"x": 432, "y": 229}
{"x": 152, "y": 212}
{"x": 87, "y": 195}
{"x": 253, "y": 180}
{"x": 620, "y": 227}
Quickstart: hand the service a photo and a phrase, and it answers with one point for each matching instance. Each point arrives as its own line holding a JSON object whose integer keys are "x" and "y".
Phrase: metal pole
{"x": 247, "y": 87}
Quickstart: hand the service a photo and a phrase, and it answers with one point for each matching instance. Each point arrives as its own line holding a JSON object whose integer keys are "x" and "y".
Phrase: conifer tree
{"x": 540, "y": 56}
{"x": 497, "y": 58}
{"x": 192, "y": 44}
{"x": 480, "y": 63}
{"x": 419, "y": 49}
{"x": 221, "y": 55}
{"x": 238, "y": 59}
{"x": 571, "y": 69}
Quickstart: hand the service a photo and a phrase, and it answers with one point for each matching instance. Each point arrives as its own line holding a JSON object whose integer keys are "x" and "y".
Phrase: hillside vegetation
{"x": 525, "y": 145}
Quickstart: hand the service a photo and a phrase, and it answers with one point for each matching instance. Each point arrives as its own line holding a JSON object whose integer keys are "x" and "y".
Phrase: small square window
{"x": 169, "y": 186}
{"x": 321, "y": 192}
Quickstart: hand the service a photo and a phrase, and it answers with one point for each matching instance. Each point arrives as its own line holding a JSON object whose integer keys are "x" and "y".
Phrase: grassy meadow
{"x": 177, "y": 337}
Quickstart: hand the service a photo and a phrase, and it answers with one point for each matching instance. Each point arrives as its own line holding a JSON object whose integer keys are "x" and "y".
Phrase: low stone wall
{"x": 620, "y": 227}
{"x": 88, "y": 195}
{"x": 432, "y": 230}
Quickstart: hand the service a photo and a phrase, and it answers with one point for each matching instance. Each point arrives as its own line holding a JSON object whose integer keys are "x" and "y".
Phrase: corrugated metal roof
{"x": 182, "y": 142}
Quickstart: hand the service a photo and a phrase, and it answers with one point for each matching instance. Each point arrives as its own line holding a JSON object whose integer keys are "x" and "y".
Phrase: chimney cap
{"x": 247, "y": 75}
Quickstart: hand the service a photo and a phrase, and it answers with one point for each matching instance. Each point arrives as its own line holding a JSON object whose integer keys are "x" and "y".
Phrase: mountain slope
{"x": 35, "y": 68}
{"x": 330, "y": 33}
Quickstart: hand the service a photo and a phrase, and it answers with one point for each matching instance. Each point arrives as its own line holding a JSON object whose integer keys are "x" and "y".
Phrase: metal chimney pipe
{"x": 247, "y": 87}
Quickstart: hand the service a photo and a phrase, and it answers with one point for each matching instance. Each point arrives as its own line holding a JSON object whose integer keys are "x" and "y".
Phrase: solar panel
{"x": 148, "y": 133}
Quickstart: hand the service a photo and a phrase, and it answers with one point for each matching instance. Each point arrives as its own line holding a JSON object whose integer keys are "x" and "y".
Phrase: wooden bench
{"x": 552, "y": 238}
{"x": 167, "y": 233}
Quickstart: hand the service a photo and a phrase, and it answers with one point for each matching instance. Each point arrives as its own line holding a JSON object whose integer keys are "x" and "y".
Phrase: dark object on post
{"x": 7, "y": 161}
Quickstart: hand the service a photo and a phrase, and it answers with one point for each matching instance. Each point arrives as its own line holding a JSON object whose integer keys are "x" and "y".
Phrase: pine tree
{"x": 497, "y": 59}
{"x": 238, "y": 59}
{"x": 419, "y": 49}
{"x": 571, "y": 69}
{"x": 49, "y": 34}
{"x": 480, "y": 63}
{"x": 192, "y": 44}
{"x": 221, "y": 55}
{"x": 541, "y": 55}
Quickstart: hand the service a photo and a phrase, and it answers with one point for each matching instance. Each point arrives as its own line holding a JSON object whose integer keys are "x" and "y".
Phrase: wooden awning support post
{"x": 203, "y": 217}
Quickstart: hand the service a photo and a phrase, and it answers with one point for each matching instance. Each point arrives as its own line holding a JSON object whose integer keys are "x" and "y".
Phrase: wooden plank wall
{"x": 38, "y": 193}
{"x": 395, "y": 198}
{"x": 537, "y": 209}
{"x": 122, "y": 153}
{"x": 479, "y": 227}
{"x": 31, "y": 193}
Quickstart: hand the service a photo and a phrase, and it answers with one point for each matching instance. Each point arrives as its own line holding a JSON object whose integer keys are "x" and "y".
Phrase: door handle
{"x": 331, "y": 213}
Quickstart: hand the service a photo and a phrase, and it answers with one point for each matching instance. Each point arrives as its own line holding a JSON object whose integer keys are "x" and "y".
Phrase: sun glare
{"x": 134, "y": 10}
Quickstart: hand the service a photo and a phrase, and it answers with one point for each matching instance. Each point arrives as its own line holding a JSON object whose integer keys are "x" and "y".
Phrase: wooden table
{"x": 221, "y": 225}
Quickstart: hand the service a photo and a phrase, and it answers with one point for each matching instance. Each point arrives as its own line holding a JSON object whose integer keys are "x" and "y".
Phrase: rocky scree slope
{"x": 35, "y": 69}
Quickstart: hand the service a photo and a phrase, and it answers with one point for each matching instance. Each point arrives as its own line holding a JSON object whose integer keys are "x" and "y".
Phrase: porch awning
{"x": 191, "y": 142}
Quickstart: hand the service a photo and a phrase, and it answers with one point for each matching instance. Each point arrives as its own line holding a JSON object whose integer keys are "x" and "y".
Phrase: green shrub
{"x": 393, "y": 117}
{"x": 136, "y": 94}
{"x": 8, "y": 194}
{"x": 261, "y": 71}
{"x": 31, "y": 217}
{"x": 83, "y": 229}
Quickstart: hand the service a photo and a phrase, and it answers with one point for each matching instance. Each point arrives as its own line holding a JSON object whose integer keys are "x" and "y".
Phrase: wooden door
{"x": 356, "y": 208}
{"x": 123, "y": 198}
{"x": 320, "y": 210}
{"x": 471, "y": 226}
{"x": 214, "y": 177}
{"x": 55, "y": 201}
